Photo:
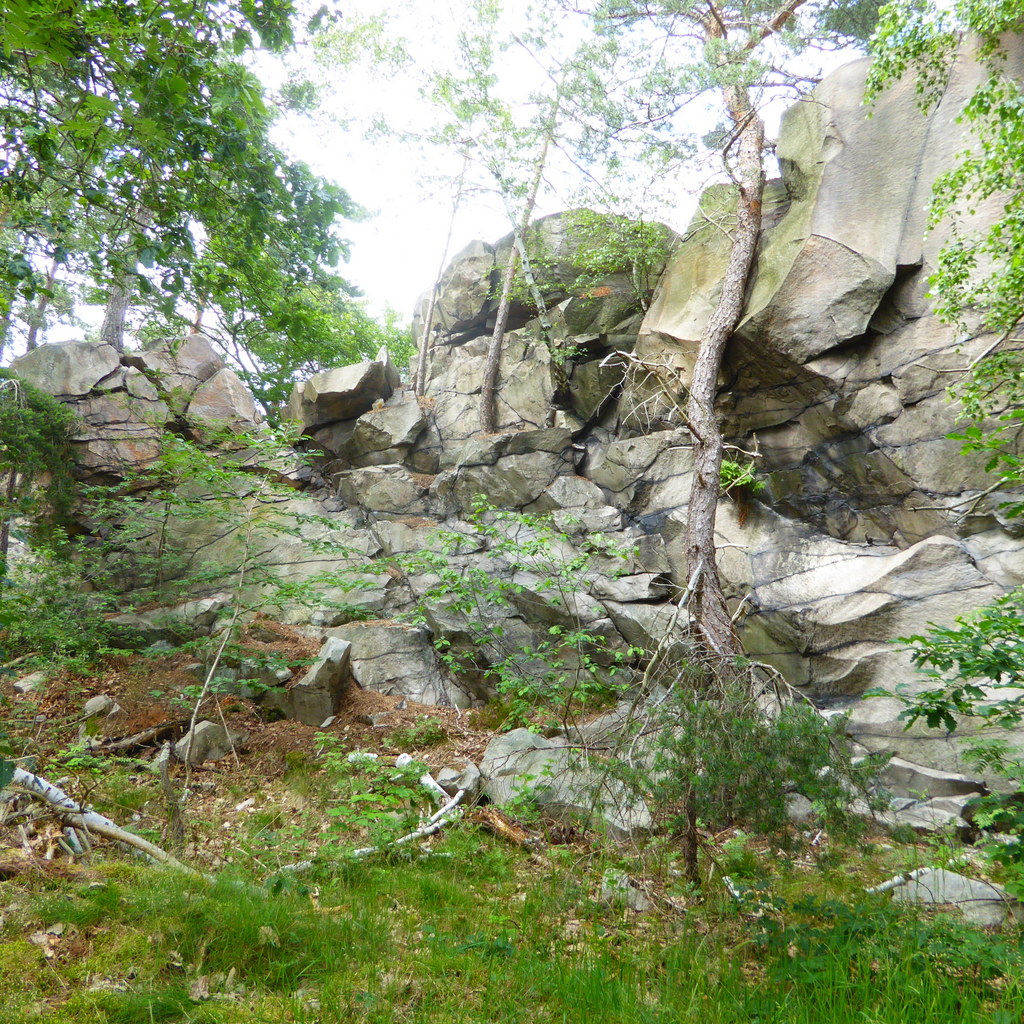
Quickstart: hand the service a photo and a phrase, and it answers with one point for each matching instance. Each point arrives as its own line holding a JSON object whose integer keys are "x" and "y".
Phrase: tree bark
{"x": 488, "y": 391}
{"x": 112, "y": 330}
{"x": 420, "y": 377}
{"x": 712, "y": 623}
{"x": 488, "y": 397}
{"x": 32, "y": 340}
{"x": 11, "y": 491}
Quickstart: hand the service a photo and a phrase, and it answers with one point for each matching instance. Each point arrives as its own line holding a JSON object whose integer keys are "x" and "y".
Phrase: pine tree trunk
{"x": 32, "y": 340}
{"x": 709, "y": 613}
{"x": 488, "y": 391}
{"x": 488, "y": 397}
{"x": 112, "y": 330}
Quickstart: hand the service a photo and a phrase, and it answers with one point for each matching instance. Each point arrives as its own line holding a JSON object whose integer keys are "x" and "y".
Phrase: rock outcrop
{"x": 125, "y": 403}
{"x": 872, "y": 524}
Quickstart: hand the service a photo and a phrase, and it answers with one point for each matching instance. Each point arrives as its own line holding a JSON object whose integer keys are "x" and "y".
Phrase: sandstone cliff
{"x": 872, "y": 523}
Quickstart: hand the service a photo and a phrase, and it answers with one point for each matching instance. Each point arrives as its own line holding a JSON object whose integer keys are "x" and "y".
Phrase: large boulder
{"x": 178, "y": 368}
{"x": 523, "y": 765}
{"x": 223, "y": 401}
{"x": 982, "y": 903}
{"x": 313, "y": 699}
{"x": 559, "y": 247}
{"x": 68, "y": 369}
{"x": 342, "y": 394}
{"x": 398, "y": 660}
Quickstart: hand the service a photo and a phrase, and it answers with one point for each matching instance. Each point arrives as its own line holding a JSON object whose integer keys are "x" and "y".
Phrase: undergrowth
{"x": 480, "y": 931}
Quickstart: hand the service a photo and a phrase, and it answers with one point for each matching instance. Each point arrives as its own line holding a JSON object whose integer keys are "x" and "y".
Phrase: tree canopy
{"x": 136, "y": 148}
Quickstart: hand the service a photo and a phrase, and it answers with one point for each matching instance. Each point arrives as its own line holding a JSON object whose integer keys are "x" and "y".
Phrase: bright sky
{"x": 396, "y": 254}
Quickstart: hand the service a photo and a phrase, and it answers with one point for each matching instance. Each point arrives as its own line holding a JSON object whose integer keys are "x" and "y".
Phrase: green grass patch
{"x": 485, "y": 932}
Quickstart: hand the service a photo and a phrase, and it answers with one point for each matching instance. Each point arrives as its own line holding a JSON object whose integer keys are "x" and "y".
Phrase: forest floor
{"x": 471, "y": 924}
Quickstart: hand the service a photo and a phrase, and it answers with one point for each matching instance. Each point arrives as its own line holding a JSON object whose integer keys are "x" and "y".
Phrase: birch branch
{"x": 77, "y": 816}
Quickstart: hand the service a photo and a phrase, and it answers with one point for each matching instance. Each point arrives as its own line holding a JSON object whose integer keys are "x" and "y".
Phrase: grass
{"x": 476, "y": 931}
{"x": 484, "y": 932}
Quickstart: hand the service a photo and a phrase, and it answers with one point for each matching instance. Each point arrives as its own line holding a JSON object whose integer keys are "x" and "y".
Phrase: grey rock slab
{"x": 488, "y": 449}
{"x": 983, "y": 903}
{"x": 117, "y": 434}
{"x": 904, "y": 778}
{"x": 571, "y": 493}
{"x": 315, "y": 696}
{"x": 177, "y": 369}
{"x": 68, "y": 369}
{"x": 30, "y": 684}
{"x": 223, "y": 401}
{"x": 102, "y": 704}
{"x": 522, "y": 764}
{"x": 396, "y": 659}
{"x": 604, "y": 519}
{"x": 464, "y": 295}
{"x": 138, "y": 385}
{"x": 926, "y": 817}
{"x": 644, "y": 473}
{"x": 208, "y": 741}
{"x": 512, "y": 481}
{"x": 619, "y": 890}
{"x": 452, "y": 778}
{"x": 393, "y": 426}
{"x": 390, "y": 489}
{"x": 647, "y": 625}
{"x": 172, "y": 624}
{"x": 408, "y": 534}
{"x": 341, "y": 394}
{"x": 593, "y": 384}
{"x": 645, "y": 586}
{"x": 799, "y": 809}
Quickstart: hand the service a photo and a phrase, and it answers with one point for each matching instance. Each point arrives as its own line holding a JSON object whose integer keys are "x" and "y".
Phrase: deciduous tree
{"x": 736, "y": 52}
{"x": 136, "y": 152}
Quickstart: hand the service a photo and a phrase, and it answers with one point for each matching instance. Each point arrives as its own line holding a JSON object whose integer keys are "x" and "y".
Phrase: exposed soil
{"x": 151, "y": 692}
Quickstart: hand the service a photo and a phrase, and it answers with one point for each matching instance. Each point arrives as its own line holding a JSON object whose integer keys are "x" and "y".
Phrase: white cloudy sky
{"x": 396, "y": 253}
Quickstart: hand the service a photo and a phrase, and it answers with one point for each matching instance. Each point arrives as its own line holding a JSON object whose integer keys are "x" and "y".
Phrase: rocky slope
{"x": 872, "y": 523}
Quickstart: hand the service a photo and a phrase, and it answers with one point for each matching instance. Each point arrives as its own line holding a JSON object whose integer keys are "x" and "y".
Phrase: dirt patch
{"x": 151, "y": 691}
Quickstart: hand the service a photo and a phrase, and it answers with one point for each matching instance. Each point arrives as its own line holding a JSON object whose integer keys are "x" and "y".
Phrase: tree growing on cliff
{"x": 511, "y": 143}
{"x": 739, "y": 52}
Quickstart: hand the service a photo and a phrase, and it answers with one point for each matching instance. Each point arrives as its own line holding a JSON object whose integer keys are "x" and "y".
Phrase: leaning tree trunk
{"x": 488, "y": 392}
{"x": 709, "y": 613}
{"x": 420, "y": 377}
{"x": 120, "y": 297}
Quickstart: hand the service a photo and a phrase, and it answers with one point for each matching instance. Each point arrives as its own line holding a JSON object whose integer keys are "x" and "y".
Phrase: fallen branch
{"x": 445, "y": 815}
{"x": 503, "y": 826}
{"x": 898, "y": 880}
{"x": 139, "y": 739}
{"x": 79, "y": 817}
{"x": 433, "y": 824}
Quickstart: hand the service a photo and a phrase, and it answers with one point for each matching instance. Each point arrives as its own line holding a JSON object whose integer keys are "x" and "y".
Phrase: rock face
{"x": 126, "y": 402}
{"x": 520, "y": 764}
{"x": 872, "y": 524}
